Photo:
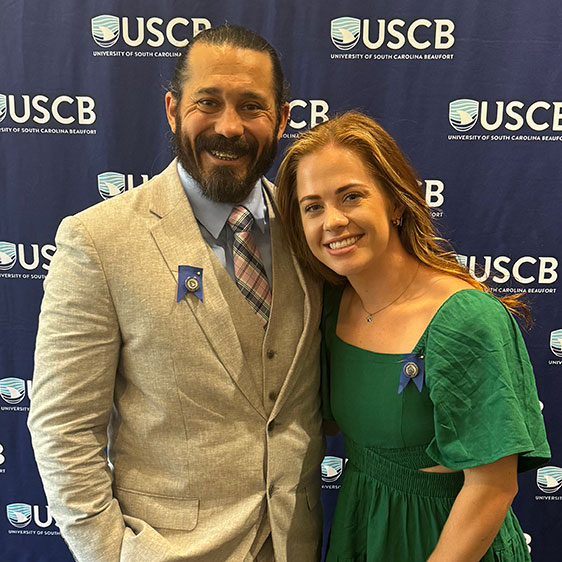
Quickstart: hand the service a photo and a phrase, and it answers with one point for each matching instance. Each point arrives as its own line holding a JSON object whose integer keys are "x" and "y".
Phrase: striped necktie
{"x": 249, "y": 271}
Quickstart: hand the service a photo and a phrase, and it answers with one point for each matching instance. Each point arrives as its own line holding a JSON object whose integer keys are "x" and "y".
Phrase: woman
{"x": 425, "y": 372}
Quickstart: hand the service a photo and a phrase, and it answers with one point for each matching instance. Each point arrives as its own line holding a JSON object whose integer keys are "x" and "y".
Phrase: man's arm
{"x": 76, "y": 358}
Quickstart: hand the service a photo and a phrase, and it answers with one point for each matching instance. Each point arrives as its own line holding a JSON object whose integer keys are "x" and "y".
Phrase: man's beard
{"x": 221, "y": 183}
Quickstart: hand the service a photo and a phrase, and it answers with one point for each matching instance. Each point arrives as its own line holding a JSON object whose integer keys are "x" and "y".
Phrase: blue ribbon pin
{"x": 413, "y": 369}
{"x": 190, "y": 280}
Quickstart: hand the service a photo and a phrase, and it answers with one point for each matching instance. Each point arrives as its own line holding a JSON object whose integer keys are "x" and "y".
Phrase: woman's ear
{"x": 397, "y": 211}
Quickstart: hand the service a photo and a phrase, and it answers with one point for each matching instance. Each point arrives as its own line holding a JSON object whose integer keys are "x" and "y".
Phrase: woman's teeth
{"x": 343, "y": 243}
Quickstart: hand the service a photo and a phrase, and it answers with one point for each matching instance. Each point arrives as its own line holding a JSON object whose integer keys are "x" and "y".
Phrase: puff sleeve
{"x": 482, "y": 386}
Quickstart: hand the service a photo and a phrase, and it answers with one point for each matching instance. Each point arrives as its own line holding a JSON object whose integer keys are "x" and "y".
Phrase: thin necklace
{"x": 370, "y": 315}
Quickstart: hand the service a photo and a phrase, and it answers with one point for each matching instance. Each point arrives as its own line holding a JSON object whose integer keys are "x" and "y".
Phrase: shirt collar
{"x": 213, "y": 215}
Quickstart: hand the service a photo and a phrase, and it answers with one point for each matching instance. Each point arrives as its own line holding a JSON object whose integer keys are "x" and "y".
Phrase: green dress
{"x": 478, "y": 403}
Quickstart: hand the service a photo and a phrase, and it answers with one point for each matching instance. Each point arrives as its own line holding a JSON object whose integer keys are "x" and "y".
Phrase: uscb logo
{"x": 7, "y": 255}
{"x": 64, "y": 109}
{"x": 549, "y": 479}
{"x": 307, "y": 113}
{"x": 332, "y": 468}
{"x": 463, "y": 114}
{"x": 511, "y": 115}
{"x": 105, "y": 30}
{"x": 556, "y": 342}
{"x": 22, "y": 514}
{"x": 108, "y": 29}
{"x": 3, "y": 107}
{"x": 111, "y": 184}
{"x": 345, "y": 32}
{"x": 525, "y": 269}
{"x": 434, "y": 196}
{"x": 2, "y": 457}
{"x": 12, "y": 390}
{"x": 19, "y": 514}
{"x": 528, "y": 540}
{"x": 27, "y": 256}
{"x": 419, "y": 34}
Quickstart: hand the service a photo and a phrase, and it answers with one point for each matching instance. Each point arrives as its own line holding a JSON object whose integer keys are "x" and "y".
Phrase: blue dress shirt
{"x": 212, "y": 220}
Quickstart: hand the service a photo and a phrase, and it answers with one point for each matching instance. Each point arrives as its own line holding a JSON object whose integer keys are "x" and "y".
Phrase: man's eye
{"x": 352, "y": 197}
{"x": 207, "y": 105}
{"x": 252, "y": 107}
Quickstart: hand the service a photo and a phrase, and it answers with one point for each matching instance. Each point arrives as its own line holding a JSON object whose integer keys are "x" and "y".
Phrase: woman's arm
{"x": 478, "y": 512}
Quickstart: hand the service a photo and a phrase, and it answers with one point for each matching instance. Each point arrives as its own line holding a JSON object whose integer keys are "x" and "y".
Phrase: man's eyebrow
{"x": 250, "y": 94}
{"x": 210, "y": 90}
{"x": 247, "y": 94}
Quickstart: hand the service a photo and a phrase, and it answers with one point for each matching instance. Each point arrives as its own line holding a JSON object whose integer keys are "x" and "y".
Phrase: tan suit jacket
{"x": 209, "y": 426}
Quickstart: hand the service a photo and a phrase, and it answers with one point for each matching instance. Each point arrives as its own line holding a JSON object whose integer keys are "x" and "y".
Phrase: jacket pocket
{"x": 160, "y": 512}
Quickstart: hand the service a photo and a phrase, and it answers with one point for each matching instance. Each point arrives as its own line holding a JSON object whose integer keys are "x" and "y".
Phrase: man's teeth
{"x": 343, "y": 243}
{"x": 224, "y": 155}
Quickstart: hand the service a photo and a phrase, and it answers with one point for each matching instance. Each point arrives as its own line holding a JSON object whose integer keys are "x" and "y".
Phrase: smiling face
{"x": 346, "y": 214}
{"x": 226, "y": 125}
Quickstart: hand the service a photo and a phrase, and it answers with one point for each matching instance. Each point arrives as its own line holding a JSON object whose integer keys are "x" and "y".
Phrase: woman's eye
{"x": 311, "y": 208}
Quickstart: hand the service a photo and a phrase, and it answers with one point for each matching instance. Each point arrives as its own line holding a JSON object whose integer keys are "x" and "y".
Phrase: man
{"x": 205, "y": 396}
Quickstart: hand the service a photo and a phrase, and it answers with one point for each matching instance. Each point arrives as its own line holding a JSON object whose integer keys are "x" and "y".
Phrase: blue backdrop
{"x": 470, "y": 90}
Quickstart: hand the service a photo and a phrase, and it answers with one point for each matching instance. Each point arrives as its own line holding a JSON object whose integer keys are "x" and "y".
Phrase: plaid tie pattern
{"x": 250, "y": 274}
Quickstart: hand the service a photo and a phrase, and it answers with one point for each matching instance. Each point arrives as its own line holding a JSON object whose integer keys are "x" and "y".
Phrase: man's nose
{"x": 229, "y": 124}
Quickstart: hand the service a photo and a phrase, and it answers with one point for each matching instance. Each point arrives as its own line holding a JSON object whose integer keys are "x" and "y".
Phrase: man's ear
{"x": 284, "y": 119}
{"x": 171, "y": 108}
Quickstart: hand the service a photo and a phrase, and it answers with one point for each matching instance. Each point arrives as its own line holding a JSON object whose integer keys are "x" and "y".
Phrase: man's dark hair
{"x": 236, "y": 36}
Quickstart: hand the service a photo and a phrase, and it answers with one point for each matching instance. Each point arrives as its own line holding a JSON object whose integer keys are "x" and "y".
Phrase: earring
{"x": 397, "y": 221}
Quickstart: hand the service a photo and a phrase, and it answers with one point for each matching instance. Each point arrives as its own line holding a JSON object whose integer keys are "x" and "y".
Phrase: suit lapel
{"x": 312, "y": 301}
{"x": 179, "y": 240}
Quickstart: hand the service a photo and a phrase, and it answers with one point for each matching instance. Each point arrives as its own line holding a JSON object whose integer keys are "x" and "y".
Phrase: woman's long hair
{"x": 380, "y": 153}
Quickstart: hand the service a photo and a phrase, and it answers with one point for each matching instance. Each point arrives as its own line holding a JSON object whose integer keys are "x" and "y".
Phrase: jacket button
{"x": 271, "y": 426}
{"x": 270, "y": 490}
{"x": 273, "y": 396}
{"x": 270, "y": 354}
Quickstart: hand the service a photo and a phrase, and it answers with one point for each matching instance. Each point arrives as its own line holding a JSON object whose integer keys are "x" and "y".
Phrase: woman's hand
{"x": 478, "y": 512}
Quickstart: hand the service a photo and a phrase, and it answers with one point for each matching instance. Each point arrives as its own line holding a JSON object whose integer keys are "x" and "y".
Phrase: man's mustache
{"x": 238, "y": 146}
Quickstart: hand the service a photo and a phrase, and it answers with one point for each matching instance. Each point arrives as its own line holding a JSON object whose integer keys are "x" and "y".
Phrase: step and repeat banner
{"x": 472, "y": 92}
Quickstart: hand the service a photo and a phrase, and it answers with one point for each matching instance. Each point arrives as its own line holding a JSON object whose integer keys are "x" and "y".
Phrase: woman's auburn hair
{"x": 382, "y": 157}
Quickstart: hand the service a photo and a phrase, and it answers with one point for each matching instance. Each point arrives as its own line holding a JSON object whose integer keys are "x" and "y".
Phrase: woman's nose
{"x": 334, "y": 219}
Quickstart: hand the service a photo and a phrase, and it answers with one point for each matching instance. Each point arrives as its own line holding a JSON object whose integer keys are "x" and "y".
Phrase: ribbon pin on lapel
{"x": 413, "y": 369}
{"x": 190, "y": 280}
